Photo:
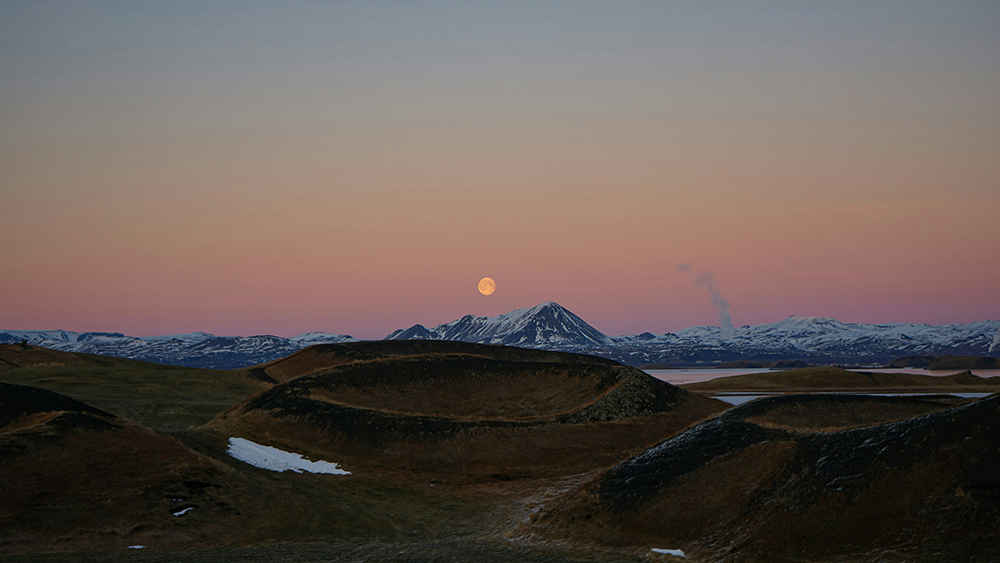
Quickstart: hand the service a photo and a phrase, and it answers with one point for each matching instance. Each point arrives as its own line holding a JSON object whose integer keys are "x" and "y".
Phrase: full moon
{"x": 487, "y": 286}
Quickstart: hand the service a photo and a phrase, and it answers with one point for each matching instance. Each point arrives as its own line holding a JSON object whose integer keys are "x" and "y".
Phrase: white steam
{"x": 707, "y": 280}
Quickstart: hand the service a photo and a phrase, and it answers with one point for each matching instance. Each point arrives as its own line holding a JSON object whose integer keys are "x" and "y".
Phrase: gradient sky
{"x": 276, "y": 168}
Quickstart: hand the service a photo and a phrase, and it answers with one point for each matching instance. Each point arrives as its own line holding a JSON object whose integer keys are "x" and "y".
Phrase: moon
{"x": 487, "y": 286}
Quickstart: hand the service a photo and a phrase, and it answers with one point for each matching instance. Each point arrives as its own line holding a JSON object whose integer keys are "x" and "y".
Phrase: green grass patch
{"x": 164, "y": 398}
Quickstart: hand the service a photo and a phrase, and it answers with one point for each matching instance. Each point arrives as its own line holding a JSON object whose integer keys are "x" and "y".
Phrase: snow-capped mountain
{"x": 548, "y": 325}
{"x": 819, "y": 339}
{"x": 194, "y": 349}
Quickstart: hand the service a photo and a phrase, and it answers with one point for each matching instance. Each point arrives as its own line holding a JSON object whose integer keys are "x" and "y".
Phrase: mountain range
{"x": 193, "y": 349}
{"x": 550, "y": 326}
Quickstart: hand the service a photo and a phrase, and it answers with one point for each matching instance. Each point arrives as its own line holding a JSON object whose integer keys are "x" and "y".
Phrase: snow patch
{"x": 137, "y": 547}
{"x": 273, "y": 459}
{"x": 674, "y": 552}
{"x": 183, "y": 512}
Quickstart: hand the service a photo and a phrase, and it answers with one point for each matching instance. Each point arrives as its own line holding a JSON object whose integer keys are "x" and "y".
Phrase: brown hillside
{"x": 828, "y": 413}
{"x": 921, "y": 489}
{"x": 74, "y": 477}
{"x": 323, "y": 356}
{"x": 837, "y": 379}
{"x": 13, "y": 356}
{"x": 468, "y": 417}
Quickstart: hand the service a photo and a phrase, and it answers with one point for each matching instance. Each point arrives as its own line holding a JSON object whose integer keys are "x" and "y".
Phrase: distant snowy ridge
{"x": 552, "y": 327}
{"x": 549, "y": 326}
{"x": 193, "y": 349}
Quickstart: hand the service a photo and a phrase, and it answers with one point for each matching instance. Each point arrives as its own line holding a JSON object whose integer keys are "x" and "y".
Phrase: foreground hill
{"x": 78, "y": 477}
{"x": 921, "y": 489}
{"x": 465, "y": 416}
{"x": 164, "y": 398}
{"x": 836, "y": 379}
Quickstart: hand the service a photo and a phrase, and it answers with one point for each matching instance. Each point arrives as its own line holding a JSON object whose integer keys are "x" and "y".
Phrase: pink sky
{"x": 248, "y": 183}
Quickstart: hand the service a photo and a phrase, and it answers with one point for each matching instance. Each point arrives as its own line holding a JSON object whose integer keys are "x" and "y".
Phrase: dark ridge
{"x": 911, "y": 362}
{"x": 321, "y": 356}
{"x": 849, "y": 458}
{"x": 842, "y": 463}
{"x": 766, "y": 405}
{"x": 376, "y": 349}
{"x": 635, "y": 482}
{"x": 367, "y": 426}
{"x": 764, "y": 364}
{"x": 261, "y": 375}
{"x": 636, "y": 393}
{"x": 17, "y": 401}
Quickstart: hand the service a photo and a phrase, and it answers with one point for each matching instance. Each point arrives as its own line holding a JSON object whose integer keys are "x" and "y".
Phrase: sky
{"x": 242, "y": 167}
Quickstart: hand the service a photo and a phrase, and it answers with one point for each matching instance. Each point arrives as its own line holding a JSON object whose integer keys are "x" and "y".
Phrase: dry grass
{"x": 830, "y": 413}
{"x": 468, "y": 418}
{"x": 922, "y": 490}
{"x": 165, "y": 398}
{"x": 513, "y": 395}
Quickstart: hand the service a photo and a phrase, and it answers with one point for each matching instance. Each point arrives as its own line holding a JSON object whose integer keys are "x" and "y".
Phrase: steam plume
{"x": 707, "y": 280}
{"x": 996, "y": 340}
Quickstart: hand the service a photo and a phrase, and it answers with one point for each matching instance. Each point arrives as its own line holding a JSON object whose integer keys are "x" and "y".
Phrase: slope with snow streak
{"x": 273, "y": 459}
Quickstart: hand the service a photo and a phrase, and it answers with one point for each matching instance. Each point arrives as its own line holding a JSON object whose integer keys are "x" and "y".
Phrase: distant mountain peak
{"x": 545, "y": 325}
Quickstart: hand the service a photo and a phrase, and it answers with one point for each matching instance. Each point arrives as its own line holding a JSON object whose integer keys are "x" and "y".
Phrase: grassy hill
{"x": 452, "y": 447}
{"x": 76, "y": 476}
{"x": 467, "y": 417}
{"x": 921, "y": 489}
{"x": 79, "y": 472}
{"x": 161, "y": 397}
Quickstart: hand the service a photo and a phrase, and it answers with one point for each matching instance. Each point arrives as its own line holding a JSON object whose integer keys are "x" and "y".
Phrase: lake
{"x": 697, "y": 375}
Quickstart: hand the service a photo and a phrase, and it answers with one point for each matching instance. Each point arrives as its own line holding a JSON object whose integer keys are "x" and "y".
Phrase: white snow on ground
{"x": 674, "y": 552}
{"x": 181, "y": 513}
{"x": 137, "y": 547}
{"x": 266, "y": 457}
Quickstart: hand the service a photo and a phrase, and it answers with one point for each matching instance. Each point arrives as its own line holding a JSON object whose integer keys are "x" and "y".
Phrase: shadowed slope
{"x": 75, "y": 477}
{"x": 470, "y": 415}
{"x": 828, "y": 413}
{"x": 728, "y": 489}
